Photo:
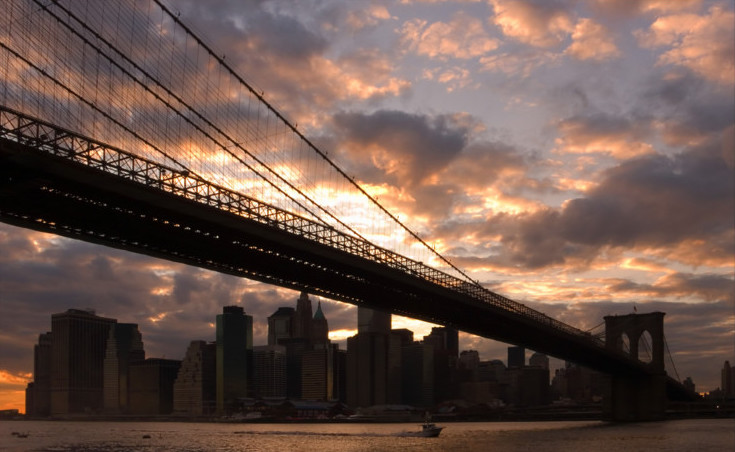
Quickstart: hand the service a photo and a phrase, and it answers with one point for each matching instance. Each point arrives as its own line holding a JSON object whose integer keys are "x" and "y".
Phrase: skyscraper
{"x": 727, "y": 375}
{"x": 234, "y": 356}
{"x": 446, "y": 350}
{"x": 373, "y": 361}
{"x": 319, "y": 328}
{"x": 372, "y": 321}
{"x": 516, "y": 357}
{"x": 152, "y": 386}
{"x": 303, "y": 317}
{"x": 124, "y": 346}
{"x": 280, "y": 325}
{"x": 195, "y": 388}
{"x": 316, "y": 374}
{"x": 539, "y": 360}
{"x": 39, "y": 392}
{"x": 78, "y": 340}
{"x": 418, "y": 374}
{"x": 317, "y": 363}
{"x": 269, "y": 375}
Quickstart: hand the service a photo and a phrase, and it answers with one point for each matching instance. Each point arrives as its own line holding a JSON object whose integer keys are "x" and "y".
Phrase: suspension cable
{"x": 293, "y": 128}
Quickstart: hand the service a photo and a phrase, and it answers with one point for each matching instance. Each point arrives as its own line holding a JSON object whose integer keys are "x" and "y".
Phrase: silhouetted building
{"x": 195, "y": 388}
{"x": 516, "y": 357}
{"x": 372, "y": 321}
{"x": 373, "y": 361}
{"x": 689, "y": 384}
{"x": 152, "y": 386}
{"x": 727, "y": 377}
{"x": 234, "y": 356}
{"x": 491, "y": 370}
{"x": 269, "y": 375}
{"x": 279, "y": 325}
{"x": 372, "y": 377}
{"x": 295, "y": 349}
{"x": 539, "y": 360}
{"x": 302, "y": 319}
{"x": 339, "y": 373}
{"x": 577, "y": 383}
{"x": 316, "y": 374}
{"x": 417, "y": 373}
{"x": 124, "y": 346}
{"x": 317, "y": 366}
{"x": 468, "y": 366}
{"x": 78, "y": 341}
{"x": 38, "y": 393}
{"x": 534, "y": 386}
{"x": 446, "y": 350}
{"x": 319, "y": 328}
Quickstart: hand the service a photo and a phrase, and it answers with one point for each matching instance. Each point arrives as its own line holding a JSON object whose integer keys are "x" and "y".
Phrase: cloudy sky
{"x": 576, "y": 156}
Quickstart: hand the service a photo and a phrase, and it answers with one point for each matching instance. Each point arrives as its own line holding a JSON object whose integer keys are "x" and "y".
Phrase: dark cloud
{"x": 688, "y": 108}
{"x": 704, "y": 287}
{"x": 655, "y": 201}
{"x": 405, "y": 148}
{"x": 649, "y": 202}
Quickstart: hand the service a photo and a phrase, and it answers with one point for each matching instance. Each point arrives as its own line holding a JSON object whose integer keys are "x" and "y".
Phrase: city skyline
{"x": 576, "y": 157}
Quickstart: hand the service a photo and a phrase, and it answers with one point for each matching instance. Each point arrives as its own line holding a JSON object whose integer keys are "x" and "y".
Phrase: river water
{"x": 679, "y": 435}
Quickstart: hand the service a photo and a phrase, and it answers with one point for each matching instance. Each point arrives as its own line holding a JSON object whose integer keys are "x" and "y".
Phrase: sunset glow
{"x": 577, "y": 157}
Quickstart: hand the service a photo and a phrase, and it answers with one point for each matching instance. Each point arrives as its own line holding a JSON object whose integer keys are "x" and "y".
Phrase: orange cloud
{"x": 615, "y": 137}
{"x": 705, "y": 44}
{"x": 369, "y": 17}
{"x": 591, "y": 41}
{"x": 644, "y": 6}
{"x": 519, "y": 63}
{"x": 538, "y": 26}
{"x": 463, "y": 37}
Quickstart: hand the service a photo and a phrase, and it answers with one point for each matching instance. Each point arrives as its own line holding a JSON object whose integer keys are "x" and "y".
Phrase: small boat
{"x": 428, "y": 429}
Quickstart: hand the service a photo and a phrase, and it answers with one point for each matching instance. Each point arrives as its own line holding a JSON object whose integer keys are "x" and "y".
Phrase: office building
{"x": 195, "y": 388}
{"x": 38, "y": 394}
{"x": 339, "y": 373}
{"x": 124, "y": 346}
{"x": 280, "y": 325}
{"x": 316, "y": 374}
{"x": 516, "y": 357}
{"x": 417, "y": 374}
{"x": 534, "y": 386}
{"x": 303, "y": 318}
{"x": 78, "y": 341}
{"x": 319, "y": 328}
{"x": 234, "y": 356}
{"x": 269, "y": 375}
{"x": 727, "y": 380}
{"x": 152, "y": 386}
{"x": 372, "y": 321}
{"x": 578, "y": 383}
{"x": 539, "y": 360}
{"x": 446, "y": 350}
{"x": 373, "y": 361}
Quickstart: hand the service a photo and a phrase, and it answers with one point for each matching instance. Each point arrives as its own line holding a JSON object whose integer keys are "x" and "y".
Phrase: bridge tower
{"x": 639, "y": 397}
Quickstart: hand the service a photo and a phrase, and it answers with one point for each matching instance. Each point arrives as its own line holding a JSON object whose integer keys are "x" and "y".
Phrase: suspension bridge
{"x": 120, "y": 126}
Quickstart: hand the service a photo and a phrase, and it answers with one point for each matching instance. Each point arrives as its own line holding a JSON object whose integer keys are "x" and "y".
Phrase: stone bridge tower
{"x": 637, "y": 397}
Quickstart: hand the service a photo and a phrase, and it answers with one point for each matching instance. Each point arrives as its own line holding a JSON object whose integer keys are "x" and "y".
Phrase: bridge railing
{"x": 46, "y": 137}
